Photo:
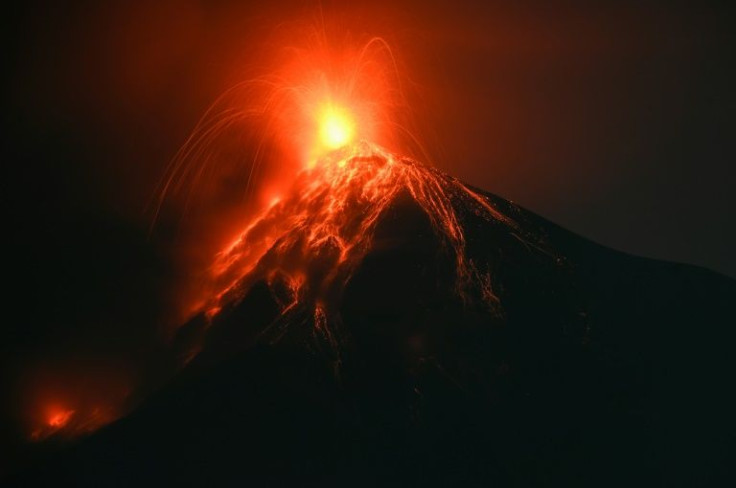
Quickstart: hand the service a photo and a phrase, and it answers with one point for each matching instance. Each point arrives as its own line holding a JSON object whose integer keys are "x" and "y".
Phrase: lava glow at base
{"x": 74, "y": 402}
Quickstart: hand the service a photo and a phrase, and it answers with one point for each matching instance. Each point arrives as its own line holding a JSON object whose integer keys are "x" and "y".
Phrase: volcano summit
{"x": 384, "y": 324}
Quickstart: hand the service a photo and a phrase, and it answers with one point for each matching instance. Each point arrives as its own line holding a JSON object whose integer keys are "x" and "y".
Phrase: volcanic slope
{"x": 384, "y": 324}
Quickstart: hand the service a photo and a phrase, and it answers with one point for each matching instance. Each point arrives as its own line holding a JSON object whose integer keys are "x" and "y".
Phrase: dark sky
{"x": 613, "y": 119}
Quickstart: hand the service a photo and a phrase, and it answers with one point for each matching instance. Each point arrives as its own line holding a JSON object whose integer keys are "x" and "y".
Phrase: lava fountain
{"x": 335, "y": 123}
{"x": 329, "y": 119}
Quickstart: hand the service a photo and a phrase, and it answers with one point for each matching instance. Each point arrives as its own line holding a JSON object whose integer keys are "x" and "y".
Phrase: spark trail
{"x": 323, "y": 118}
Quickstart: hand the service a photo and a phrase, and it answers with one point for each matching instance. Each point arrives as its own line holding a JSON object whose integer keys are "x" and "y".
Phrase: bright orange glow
{"x": 59, "y": 417}
{"x": 71, "y": 422}
{"x": 319, "y": 93}
{"x": 57, "y": 404}
{"x": 315, "y": 97}
{"x": 55, "y": 419}
{"x": 330, "y": 213}
{"x": 336, "y": 127}
{"x": 333, "y": 133}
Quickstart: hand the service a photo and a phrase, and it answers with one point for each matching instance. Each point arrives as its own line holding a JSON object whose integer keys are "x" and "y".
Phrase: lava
{"x": 313, "y": 239}
{"x": 65, "y": 400}
{"x": 334, "y": 120}
{"x": 336, "y": 126}
{"x": 59, "y": 418}
{"x": 69, "y": 422}
{"x": 56, "y": 417}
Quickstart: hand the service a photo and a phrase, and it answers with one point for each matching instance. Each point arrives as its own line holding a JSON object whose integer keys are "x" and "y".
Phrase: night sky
{"x": 612, "y": 120}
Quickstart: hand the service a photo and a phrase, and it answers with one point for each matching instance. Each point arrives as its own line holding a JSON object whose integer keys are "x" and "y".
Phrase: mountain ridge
{"x": 560, "y": 362}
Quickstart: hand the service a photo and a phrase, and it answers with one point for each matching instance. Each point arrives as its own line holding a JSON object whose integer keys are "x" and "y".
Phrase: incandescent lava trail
{"x": 314, "y": 237}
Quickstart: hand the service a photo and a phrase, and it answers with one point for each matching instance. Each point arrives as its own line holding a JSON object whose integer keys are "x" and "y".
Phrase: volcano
{"x": 383, "y": 324}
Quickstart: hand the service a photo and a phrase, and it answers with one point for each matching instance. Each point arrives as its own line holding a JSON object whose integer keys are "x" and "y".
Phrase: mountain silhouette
{"x": 384, "y": 324}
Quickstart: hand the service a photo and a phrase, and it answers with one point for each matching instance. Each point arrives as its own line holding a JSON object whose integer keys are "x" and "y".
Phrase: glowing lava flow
{"x": 315, "y": 237}
{"x": 56, "y": 419}
{"x": 322, "y": 120}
